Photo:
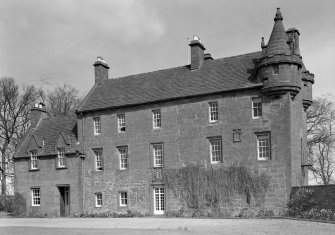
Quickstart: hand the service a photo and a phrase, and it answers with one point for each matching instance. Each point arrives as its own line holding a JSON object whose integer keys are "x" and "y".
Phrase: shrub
{"x": 19, "y": 205}
{"x": 301, "y": 200}
{"x": 6, "y": 203}
{"x": 112, "y": 213}
{"x": 200, "y": 188}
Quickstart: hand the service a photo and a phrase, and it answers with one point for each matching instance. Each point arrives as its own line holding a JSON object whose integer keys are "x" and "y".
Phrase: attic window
{"x": 33, "y": 160}
{"x": 276, "y": 69}
{"x": 61, "y": 163}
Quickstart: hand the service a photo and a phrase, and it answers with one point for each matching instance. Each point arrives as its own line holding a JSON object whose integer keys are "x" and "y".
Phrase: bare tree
{"x": 321, "y": 139}
{"x": 62, "y": 101}
{"x": 14, "y": 120}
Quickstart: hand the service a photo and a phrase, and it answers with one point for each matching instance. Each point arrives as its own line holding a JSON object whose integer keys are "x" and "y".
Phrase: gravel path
{"x": 165, "y": 226}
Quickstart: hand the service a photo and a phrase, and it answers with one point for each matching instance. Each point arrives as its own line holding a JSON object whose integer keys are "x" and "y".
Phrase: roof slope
{"x": 214, "y": 76}
{"x": 49, "y": 130}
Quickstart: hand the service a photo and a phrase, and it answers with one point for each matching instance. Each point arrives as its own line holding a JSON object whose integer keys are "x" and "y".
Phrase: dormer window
{"x": 33, "y": 160}
{"x": 276, "y": 69}
{"x": 97, "y": 125}
{"x": 121, "y": 120}
{"x": 61, "y": 163}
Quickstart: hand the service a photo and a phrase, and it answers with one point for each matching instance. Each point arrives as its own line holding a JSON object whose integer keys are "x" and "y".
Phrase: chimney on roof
{"x": 197, "y": 53}
{"x": 37, "y": 113}
{"x": 293, "y": 40}
{"x": 208, "y": 56}
{"x": 101, "y": 70}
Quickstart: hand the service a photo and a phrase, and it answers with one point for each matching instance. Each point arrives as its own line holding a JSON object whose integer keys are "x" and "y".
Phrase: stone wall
{"x": 324, "y": 195}
{"x": 48, "y": 178}
{"x": 185, "y": 134}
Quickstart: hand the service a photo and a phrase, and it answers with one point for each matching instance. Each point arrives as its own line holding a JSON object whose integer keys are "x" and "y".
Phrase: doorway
{"x": 64, "y": 195}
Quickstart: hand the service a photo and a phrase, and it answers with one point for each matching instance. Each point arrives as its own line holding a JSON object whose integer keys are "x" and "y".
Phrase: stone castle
{"x": 112, "y": 154}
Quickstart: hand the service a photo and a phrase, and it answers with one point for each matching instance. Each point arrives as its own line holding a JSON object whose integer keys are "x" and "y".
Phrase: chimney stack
{"x": 293, "y": 40}
{"x": 197, "y": 53}
{"x": 37, "y": 113}
{"x": 101, "y": 70}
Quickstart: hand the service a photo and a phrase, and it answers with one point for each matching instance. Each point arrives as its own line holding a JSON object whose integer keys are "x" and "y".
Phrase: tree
{"x": 14, "y": 121}
{"x": 321, "y": 139}
{"x": 62, "y": 101}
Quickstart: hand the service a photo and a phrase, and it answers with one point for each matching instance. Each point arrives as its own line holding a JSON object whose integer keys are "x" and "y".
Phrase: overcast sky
{"x": 57, "y": 41}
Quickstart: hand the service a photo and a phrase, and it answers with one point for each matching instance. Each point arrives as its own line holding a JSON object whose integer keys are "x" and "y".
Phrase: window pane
{"x": 36, "y": 197}
{"x": 158, "y": 155}
{"x": 215, "y": 150}
{"x": 263, "y": 147}
{"x": 98, "y": 159}
{"x": 213, "y": 112}
{"x": 256, "y": 107}
{"x": 97, "y": 125}
{"x": 156, "y": 118}
{"x": 61, "y": 157}
{"x": 121, "y": 122}
{"x": 123, "y": 156}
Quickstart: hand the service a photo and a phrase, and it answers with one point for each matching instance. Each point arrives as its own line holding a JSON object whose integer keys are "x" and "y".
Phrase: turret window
{"x": 276, "y": 69}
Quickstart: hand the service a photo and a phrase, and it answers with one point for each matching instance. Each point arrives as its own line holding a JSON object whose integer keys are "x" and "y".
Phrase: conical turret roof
{"x": 278, "y": 39}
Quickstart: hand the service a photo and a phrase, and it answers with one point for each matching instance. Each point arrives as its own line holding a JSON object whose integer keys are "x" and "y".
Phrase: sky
{"x": 51, "y": 42}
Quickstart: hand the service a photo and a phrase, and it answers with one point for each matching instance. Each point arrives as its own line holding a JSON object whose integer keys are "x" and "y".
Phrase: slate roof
{"x": 226, "y": 74}
{"x": 49, "y": 130}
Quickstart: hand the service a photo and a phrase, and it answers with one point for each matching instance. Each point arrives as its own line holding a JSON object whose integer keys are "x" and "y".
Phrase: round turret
{"x": 279, "y": 68}
{"x": 307, "y": 80}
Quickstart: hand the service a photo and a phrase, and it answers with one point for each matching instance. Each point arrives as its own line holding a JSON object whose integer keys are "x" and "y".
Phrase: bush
{"x": 112, "y": 213}
{"x": 205, "y": 189}
{"x": 6, "y": 203}
{"x": 19, "y": 207}
{"x": 301, "y": 200}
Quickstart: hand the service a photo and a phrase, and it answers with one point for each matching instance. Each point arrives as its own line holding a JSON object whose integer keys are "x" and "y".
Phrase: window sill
{"x": 263, "y": 160}
{"x": 259, "y": 117}
{"x": 61, "y": 167}
{"x": 98, "y": 206}
{"x": 215, "y": 163}
{"x": 99, "y": 171}
{"x": 37, "y": 169}
{"x": 35, "y": 205}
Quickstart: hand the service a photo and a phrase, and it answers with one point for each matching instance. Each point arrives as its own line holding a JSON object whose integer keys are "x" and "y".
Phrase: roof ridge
{"x": 178, "y": 67}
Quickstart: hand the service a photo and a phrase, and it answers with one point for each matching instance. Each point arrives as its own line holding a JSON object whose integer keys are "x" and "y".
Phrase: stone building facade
{"x": 248, "y": 109}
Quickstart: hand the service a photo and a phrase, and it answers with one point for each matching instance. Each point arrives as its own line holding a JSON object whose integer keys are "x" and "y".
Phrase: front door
{"x": 159, "y": 200}
{"x": 64, "y": 192}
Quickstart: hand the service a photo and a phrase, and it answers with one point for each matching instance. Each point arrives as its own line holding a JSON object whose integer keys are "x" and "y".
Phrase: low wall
{"x": 324, "y": 195}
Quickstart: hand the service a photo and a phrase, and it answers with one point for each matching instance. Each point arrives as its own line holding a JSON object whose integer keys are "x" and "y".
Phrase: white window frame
{"x": 158, "y": 155}
{"x": 156, "y": 118}
{"x": 35, "y": 196}
{"x": 213, "y": 112}
{"x": 123, "y": 199}
{"x": 159, "y": 200}
{"x": 121, "y": 122}
{"x": 33, "y": 160}
{"x": 263, "y": 146}
{"x": 215, "y": 149}
{"x": 257, "y": 108}
{"x": 97, "y": 125}
{"x": 98, "y": 199}
{"x": 61, "y": 158}
{"x": 123, "y": 157}
{"x": 98, "y": 159}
